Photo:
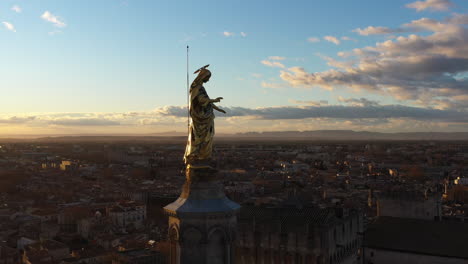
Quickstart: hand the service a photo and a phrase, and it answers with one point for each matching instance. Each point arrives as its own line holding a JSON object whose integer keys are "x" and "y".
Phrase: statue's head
{"x": 203, "y": 76}
{"x": 207, "y": 76}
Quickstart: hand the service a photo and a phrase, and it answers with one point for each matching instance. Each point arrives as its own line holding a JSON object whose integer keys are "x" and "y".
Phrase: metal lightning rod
{"x": 188, "y": 93}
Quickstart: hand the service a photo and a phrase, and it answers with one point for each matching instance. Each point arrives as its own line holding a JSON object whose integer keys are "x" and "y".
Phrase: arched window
{"x": 216, "y": 248}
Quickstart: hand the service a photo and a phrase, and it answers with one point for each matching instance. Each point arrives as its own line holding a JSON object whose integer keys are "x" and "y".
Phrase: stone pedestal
{"x": 202, "y": 221}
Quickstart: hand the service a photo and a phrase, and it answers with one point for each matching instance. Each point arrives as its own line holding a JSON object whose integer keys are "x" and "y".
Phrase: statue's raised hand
{"x": 217, "y": 100}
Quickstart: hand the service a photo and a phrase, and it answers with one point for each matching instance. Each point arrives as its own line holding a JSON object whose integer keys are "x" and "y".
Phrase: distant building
{"x": 409, "y": 204}
{"x": 23, "y": 241}
{"x": 91, "y": 255}
{"x": 46, "y": 251}
{"x": 67, "y": 165}
{"x": 293, "y": 235}
{"x": 392, "y": 240}
{"x": 90, "y": 227}
{"x": 128, "y": 213}
{"x": 138, "y": 256}
{"x": 68, "y": 218}
{"x": 46, "y": 214}
{"x": 9, "y": 255}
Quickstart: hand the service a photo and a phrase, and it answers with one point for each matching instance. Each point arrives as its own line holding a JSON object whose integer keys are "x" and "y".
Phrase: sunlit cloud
{"x": 345, "y": 38}
{"x": 352, "y": 113}
{"x": 273, "y": 85}
{"x": 363, "y": 102}
{"x": 276, "y": 58}
{"x": 354, "y": 109}
{"x": 57, "y": 21}
{"x": 9, "y": 26}
{"x": 432, "y": 5}
{"x": 370, "y": 30}
{"x": 272, "y": 63}
{"x": 309, "y": 102}
{"x": 17, "y": 9}
{"x": 313, "y": 39}
{"x": 427, "y": 70}
{"x": 458, "y": 19}
{"x": 55, "y": 32}
{"x": 332, "y": 39}
{"x": 17, "y": 119}
{"x": 233, "y": 34}
{"x": 84, "y": 122}
{"x": 419, "y": 25}
{"x": 257, "y": 75}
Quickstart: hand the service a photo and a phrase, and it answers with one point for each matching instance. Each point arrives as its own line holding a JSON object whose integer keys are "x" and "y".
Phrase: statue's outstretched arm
{"x": 206, "y": 100}
{"x": 218, "y": 109}
{"x": 217, "y": 100}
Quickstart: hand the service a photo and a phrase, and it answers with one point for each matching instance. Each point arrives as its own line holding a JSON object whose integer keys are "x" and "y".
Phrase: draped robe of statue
{"x": 201, "y": 130}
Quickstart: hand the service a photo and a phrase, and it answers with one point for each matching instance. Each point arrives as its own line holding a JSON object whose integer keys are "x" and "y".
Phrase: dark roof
{"x": 448, "y": 239}
{"x": 139, "y": 253}
{"x": 47, "y": 244}
{"x": 287, "y": 216}
{"x": 7, "y": 252}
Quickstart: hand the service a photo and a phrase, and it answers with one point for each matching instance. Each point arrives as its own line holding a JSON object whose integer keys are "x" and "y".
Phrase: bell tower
{"x": 202, "y": 221}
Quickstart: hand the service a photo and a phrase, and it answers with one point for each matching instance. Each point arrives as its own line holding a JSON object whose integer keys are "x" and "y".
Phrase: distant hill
{"x": 355, "y": 135}
{"x": 181, "y": 137}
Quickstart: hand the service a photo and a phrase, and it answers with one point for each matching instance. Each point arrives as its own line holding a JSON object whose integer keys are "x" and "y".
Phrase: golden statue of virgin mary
{"x": 201, "y": 130}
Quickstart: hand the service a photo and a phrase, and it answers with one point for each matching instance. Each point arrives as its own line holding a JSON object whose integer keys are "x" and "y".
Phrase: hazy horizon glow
{"x": 117, "y": 67}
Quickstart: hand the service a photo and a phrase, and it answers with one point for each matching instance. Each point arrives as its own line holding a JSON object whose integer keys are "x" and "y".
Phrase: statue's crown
{"x": 202, "y": 68}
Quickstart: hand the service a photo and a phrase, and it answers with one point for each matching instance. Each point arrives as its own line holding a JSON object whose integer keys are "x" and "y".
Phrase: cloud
{"x": 376, "y": 31}
{"x": 427, "y": 24}
{"x": 345, "y": 38}
{"x": 84, "y": 122}
{"x": 55, "y": 32}
{"x": 420, "y": 25}
{"x": 332, "y": 39}
{"x": 232, "y": 34}
{"x": 273, "y": 85}
{"x": 313, "y": 39}
{"x": 370, "y": 109}
{"x": 309, "y": 102}
{"x": 276, "y": 58}
{"x": 9, "y": 26}
{"x": 17, "y": 120}
{"x": 70, "y": 119}
{"x": 432, "y": 5}
{"x": 257, "y": 75}
{"x": 337, "y": 64}
{"x": 17, "y": 9}
{"x": 352, "y": 113}
{"x": 363, "y": 102}
{"x": 57, "y": 21}
{"x": 416, "y": 69}
{"x": 272, "y": 63}
{"x": 458, "y": 19}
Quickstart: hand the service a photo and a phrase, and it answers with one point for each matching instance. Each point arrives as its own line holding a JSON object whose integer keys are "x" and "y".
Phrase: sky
{"x": 119, "y": 66}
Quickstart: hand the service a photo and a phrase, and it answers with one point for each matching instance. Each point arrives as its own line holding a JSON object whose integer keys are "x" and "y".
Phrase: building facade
{"x": 298, "y": 235}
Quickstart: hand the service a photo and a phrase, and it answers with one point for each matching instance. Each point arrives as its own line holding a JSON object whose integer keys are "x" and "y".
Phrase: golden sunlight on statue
{"x": 201, "y": 129}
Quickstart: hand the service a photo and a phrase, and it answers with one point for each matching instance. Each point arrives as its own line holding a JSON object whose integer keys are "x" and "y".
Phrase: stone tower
{"x": 202, "y": 221}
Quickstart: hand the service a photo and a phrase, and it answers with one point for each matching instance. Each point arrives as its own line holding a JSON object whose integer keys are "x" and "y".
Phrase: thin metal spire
{"x": 188, "y": 93}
